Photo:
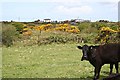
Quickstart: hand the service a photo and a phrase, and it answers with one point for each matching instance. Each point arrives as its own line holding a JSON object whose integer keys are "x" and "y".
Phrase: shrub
{"x": 108, "y": 35}
{"x": 98, "y": 24}
{"x": 53, "y": 39}
{"x": 19, "y": 26}
{"x": 57, "y": 38}
{"x": 83, "y": 25}
{"x": 9, "y": 33}
{"x": 0, "y": 34}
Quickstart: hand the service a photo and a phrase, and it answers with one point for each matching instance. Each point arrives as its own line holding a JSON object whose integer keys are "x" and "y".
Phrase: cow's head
{"x": 87, "y": 51}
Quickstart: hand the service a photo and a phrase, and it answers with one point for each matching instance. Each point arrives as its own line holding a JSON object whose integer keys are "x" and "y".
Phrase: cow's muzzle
{"x": 84, "y": 58}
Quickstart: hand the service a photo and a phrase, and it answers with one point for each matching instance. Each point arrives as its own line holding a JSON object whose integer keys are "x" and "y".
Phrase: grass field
{"x": 47, "y": 61}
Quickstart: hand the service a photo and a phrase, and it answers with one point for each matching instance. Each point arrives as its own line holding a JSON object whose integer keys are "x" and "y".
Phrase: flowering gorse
{"x": 105, "y": 34}
{"x": 58, "y": 27}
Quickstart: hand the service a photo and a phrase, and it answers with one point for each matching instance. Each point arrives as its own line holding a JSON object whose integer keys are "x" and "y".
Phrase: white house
{"x": 47, "y": 20}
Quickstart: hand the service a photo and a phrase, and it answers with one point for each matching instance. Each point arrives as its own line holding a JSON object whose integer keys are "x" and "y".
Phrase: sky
{"x": 31, "y": 10}
{"x": 119, "y": 11}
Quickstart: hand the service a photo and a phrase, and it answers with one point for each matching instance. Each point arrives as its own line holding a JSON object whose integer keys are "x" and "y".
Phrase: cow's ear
{"x": 79, "y": 47}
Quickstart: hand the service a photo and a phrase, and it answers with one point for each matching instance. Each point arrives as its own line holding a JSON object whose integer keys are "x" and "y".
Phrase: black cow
{"x": 100, "y": 55}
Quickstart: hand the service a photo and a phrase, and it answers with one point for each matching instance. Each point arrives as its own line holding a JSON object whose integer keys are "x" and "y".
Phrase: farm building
{"x": 47, "y": 20}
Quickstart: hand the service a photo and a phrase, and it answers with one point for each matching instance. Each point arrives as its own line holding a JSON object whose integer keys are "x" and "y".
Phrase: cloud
{"x": 112, "y": 1}
{"x": 41, "y": 1}
{"x": 62, "y": 1}
{"x": 74, "y": 10}
{"x": 106, "y": 3}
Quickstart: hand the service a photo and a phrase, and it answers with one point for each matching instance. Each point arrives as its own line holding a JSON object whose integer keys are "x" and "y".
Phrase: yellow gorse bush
{"x": 107, "y": 29}
{"x": 44, "y": 27}
{"x": 105, "y": 33}
{"x": 58, "y": 27}
{"x": 67, "y": 28}
{"x": 26, "y": 31}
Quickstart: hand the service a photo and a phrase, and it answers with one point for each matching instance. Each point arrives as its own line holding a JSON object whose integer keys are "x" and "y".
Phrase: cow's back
{"x": 110, "y": 53}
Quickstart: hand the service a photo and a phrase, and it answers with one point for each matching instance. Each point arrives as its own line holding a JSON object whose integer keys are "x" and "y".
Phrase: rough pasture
{"x": 47, "y": 61}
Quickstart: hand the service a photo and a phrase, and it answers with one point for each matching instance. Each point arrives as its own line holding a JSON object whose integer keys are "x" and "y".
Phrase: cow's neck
{"x": 92, "y": 60}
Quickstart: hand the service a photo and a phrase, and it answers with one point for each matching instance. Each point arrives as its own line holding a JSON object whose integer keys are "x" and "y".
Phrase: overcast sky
{"x": 30, "y": 10}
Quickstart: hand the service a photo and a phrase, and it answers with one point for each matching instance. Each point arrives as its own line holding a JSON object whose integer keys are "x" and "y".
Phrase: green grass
{"x": 47, "y": 61}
